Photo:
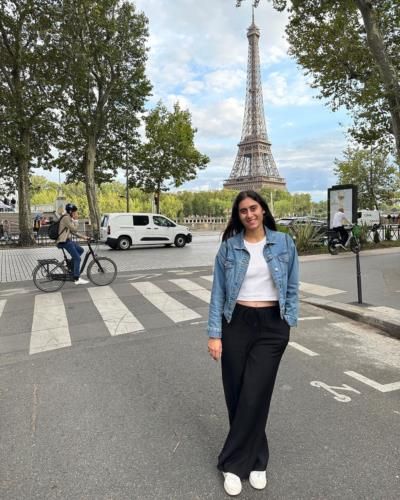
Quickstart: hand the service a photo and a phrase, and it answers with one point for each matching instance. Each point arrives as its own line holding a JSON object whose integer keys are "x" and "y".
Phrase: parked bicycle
{"x": 353, "y": 240}
{"x": 50, "y": 275}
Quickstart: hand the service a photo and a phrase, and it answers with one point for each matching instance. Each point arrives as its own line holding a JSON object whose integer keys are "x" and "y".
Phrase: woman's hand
{"x": 215, "y": 348}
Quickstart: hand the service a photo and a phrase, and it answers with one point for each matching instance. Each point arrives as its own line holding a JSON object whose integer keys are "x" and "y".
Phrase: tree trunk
{"x": 90, "y": 161}
{"x": 385, "y": 67}
{"x": 24, "y": 196}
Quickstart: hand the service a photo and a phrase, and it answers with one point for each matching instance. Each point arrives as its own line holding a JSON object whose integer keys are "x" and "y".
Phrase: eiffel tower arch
{"x": 254, "y": 165}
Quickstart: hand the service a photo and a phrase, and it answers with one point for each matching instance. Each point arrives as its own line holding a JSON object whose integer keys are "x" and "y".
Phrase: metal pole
{"x": 127, "y": 186}
{"x": 359, "y": 291}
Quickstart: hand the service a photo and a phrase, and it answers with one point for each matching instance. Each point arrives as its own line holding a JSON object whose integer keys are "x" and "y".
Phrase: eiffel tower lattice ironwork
{"x": 254, "y": 166}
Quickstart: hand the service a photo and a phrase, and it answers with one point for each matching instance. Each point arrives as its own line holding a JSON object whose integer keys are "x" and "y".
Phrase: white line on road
{"x": 49, "y": 310}
{"x": 193, "y": 288}
{"x": 309, "y": 318}
{"x": 2, "y": 305}
{"x": 208, "y": 278}
{"x": 303, "y": 349}
{"x": 354, "y": 327}
{"x": 116, "y": 316}
{"x": 322, "y": 291}
{"x": 394, "y": 386}
{"x": 176, "y": 311}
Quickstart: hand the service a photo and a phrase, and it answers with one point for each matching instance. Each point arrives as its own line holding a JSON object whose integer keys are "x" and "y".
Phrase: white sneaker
{"x": 232, "y": 484}
{"x": 258, "y": 479}
{"x": 81, "y": 281}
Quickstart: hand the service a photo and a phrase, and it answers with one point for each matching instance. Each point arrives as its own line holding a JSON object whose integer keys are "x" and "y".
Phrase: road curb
{"x": 378, "y": 319}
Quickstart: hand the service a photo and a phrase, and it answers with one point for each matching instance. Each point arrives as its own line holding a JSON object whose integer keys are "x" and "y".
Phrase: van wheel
{"x": 124, "y": 243}
{"x": 180, "y": 241}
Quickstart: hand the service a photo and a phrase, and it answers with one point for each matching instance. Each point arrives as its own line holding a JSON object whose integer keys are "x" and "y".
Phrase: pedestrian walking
{"x": 254, "y": 302}
{"x": 6, "y": 230}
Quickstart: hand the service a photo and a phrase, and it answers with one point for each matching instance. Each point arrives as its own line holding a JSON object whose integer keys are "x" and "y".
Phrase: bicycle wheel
{"x": 49, "y": 276}
{"x": 102, "y": 271}
{"x": 354, "y": 245}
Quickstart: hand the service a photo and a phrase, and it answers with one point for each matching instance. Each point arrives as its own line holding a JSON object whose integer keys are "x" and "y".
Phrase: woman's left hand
{"x": 215, "y": 348}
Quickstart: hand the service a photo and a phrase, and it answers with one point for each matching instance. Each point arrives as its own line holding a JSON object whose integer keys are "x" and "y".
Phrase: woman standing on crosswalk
{"x": 254, "y": 302}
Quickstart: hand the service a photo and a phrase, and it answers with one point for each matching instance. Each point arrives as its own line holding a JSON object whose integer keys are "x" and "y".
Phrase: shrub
{"x": 306, "y": 236}
{"x": 364, "y": 233}
{"x": 388, "y": 234}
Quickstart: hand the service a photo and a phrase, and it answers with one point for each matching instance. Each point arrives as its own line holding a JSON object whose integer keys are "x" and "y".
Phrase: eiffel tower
{"x": 254, "y": 166}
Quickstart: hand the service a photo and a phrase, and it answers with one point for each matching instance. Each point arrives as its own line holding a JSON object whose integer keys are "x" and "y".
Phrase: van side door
{"x": 164, "y": 228}
{"x": 142, "y": 229}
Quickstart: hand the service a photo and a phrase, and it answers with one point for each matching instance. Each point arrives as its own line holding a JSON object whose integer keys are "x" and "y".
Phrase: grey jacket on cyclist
{"x": 231, "y": 265}
{"x": 67, "y": 227}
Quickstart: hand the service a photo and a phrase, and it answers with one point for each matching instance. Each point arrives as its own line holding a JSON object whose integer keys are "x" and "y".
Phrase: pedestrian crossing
{"x": 123, "y": 308}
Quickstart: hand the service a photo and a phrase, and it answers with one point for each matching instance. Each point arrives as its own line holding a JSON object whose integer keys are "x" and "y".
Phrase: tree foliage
{"x": 28, "y": 34}
{"x": 350, "y": 49}
{"x": 169, "y": 157}
{"x": 177, "y": 205}
{"x": 103, "y": 44}
{"x": 376, "y": 179}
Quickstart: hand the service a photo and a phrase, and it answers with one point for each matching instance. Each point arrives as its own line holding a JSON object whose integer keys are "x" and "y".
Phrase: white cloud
{"x": 287, "y": 90}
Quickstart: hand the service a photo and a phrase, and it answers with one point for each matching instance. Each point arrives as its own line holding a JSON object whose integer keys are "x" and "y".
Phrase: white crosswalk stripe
{"x": 49, "y": 311}
{"x": 193, "y": 288}
{"x": 322, "y": 291}
{"x": 2, "y": 306}
{"x": 176, "y": 311}
{"x": 116, "y": 316}
{"x": 208, "y": 278}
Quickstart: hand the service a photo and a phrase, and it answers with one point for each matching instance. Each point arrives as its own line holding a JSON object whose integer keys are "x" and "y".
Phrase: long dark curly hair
{"x": 235, "y": 226}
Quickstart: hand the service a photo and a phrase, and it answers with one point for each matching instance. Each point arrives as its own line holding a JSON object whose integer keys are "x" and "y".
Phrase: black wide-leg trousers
{"x": 252, "y": 347}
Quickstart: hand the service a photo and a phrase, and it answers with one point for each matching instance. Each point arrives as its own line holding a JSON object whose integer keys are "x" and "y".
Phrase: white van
{"x": 370, "y": 218}
{"x": 122, "y": 230}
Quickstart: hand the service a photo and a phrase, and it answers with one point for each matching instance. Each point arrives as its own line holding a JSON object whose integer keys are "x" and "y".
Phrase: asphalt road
{"x": 141, "y": 415}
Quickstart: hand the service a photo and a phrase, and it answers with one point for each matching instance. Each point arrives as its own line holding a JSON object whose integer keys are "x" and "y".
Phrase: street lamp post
{"x": 127, "y": 184}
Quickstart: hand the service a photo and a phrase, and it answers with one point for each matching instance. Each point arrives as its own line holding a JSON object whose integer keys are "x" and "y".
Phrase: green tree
{"x": 350, "y": 49}
{"x": 28, "y": 32}
{"x": 103, "y": 44}
{"x": 169, "y": 157}
{"x": 375, "y": 178}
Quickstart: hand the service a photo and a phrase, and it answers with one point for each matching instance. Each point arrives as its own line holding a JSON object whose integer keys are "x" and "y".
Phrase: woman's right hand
{"x": 215, "y": 348}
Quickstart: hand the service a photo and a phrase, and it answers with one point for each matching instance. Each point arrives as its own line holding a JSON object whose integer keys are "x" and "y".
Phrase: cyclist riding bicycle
{"x": 338, "y": 225}
{"x": 67, "y": 227}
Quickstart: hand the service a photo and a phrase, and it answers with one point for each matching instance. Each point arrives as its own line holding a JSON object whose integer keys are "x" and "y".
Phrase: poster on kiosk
{"x": 342, "y": 196}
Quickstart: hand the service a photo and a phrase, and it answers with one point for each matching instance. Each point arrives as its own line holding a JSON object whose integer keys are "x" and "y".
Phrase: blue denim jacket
{"x": 231, "y": 265}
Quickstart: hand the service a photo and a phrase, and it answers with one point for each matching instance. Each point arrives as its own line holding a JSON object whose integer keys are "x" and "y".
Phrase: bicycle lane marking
{"x": 49, "y": 310}
{"x": 116, "y": 316}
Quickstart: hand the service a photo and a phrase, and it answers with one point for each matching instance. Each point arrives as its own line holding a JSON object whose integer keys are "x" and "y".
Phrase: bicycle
{"x": 50, "y": 275}
{"x": 353, "y": 241}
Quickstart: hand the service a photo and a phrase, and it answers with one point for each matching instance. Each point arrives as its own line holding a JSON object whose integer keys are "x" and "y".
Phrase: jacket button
{"x": 276, "y": 269}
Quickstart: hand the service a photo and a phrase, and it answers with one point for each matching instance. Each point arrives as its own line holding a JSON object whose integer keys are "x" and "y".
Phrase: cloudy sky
{"x": 198, "y": 56}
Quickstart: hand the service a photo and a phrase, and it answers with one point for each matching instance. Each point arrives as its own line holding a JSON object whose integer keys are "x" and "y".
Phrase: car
{"x": 123, "y": 230}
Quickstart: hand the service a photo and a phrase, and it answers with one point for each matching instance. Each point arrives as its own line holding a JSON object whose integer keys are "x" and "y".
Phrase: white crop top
{"x": 258, "y": 284}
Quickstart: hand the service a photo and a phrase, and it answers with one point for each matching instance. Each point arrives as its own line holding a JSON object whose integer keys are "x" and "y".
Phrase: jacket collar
{"x": 238, "y": 239}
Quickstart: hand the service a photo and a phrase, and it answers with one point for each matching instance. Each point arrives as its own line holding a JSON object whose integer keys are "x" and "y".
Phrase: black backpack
{"x": 54, "y": 228}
